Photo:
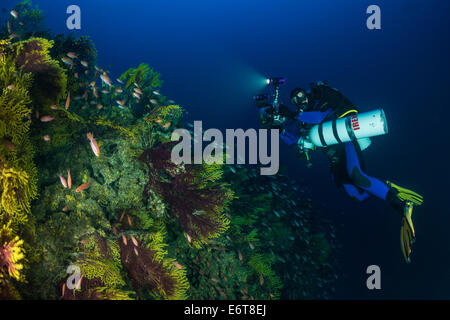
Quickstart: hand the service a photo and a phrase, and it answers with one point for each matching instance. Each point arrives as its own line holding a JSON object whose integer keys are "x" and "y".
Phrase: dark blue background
{"x": 213, "y": 54}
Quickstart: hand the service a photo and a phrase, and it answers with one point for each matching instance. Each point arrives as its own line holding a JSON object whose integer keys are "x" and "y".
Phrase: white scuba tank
{"x": 358, "y": 127}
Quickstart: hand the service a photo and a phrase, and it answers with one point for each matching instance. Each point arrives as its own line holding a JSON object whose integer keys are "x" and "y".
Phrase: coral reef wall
{"x": 86, "y": 184}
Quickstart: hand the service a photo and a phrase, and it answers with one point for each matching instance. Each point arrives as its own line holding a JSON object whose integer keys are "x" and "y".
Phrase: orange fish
{"x": 129, "y": 221}
{"x": 137, "y": 90}
{"x": 176, "y": 264}
{"x": 84, "y": 64}
{"x": 65, "y": 208}
{"x": 47, "y": 138}
{"x": 114, "y": 229}
{"x": 79, "y": 283}
{"x": 94, "y": 145}
{"x": 240, "y": 255}
{"x": 124, "y": 240}
{"x": 47, "y": 118}
{"x": 72, "y": 55}
{"x": 136, "y": 252}
{"x": 69, "y": 180}
{"x": 11, "y": 87}
{"x": 67, "y": 61}
{"x": 14, "y": 14}
{"x": 105, "y": 79}
{"x": 83, "y": 187}
{"x": 92, "y": 84}
{"x": 68, "y": 101}
{"x": 63, "y": 290}
{"x": 167, "y": 125}
{"x": 76, "y": 75}
{"x": 121, "y": 217}
{"x": 54, "y": 107}
{"x": 63, "y": 181}
{"x": 134, "y": 241}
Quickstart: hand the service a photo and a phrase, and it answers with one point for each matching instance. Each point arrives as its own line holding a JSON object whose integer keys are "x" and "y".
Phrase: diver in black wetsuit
{"x": 323, "y": 103}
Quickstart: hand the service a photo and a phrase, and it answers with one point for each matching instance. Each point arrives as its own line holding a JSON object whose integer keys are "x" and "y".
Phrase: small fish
{"x": 167, "y": 125}
{"x": 119, "y": 81}
{"x": 84, "y": 64}
{"x": 94, "y": 145}
{"x": 92, "y": 84}
{"x": 72, "y": 55}
{"x": 105, "y": 92}
{"x": 47, "y": 118}
{"x": 63, "y": 289}
{"x": 11, "y": 87}
{"x": 86, "y": 72}
{"x": 154, "y": 101}
{"x": 68, "y": 101}
{"x": 63, "y": 181}
{"x": 240, "y": 255}
{"x": 261, "y": 279}
{"x": 67, "y": 61}
{"x": 124, "y": 240}
{"x": 37, "y": 114}
{"x": 14, "y": 14}
{"x": 119, "y": 90}
{"x": 83, "y": 187}
{"x": 120, "y": 102}
{"x": 105, "y": 79}
{"x": 76, "y": 75}
{"x": 171, "y": 101}
{"x": 114, "y": 229}
{"x": 156, "y": 93}
{"x": 84, "y": 107}
{"x": 94, "y": 91}
{"x": 251, "y": 245}
{"x": 65, "y": 209}
{"x": 13, "y": 36}
{"x": 47, "y": 138}
{"x": 129, "y": 220}
{"x": 188, "y": 237}
{"x": 136, "y": 252}
{"x": 137, "y": 90}
{"x": 136, "y": 85}
{"x": 9, "y": 26}
{"x": 86, "y": 96}
{"x": 135, "y": 242}
{"x": 136, "y": 95}
{"x": 121, "y": 217}
{"x": 69, "y": 180}
{"x": 176, "y": 264}
{"x": 99, "y": 106}
{"x": 78, "y": 287}
{"x": 54, "y": 107}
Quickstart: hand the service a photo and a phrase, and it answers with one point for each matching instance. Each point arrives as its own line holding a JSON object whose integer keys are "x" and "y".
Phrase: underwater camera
{"x": 262, "y": 100}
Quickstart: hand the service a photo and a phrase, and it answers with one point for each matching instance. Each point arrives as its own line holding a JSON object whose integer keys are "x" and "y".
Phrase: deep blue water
{"x": 213, "y": 54}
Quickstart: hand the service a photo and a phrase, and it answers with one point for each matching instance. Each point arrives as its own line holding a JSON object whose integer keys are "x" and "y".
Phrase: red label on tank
{"x": 355, "y": 123}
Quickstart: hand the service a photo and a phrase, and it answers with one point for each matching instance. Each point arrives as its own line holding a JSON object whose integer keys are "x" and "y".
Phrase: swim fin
{"x": 404, "y": 194}
{"x": 407, "y": 233}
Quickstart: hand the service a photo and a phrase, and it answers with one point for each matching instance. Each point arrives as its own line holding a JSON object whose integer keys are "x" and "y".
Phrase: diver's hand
{"x": 407, "y": 233}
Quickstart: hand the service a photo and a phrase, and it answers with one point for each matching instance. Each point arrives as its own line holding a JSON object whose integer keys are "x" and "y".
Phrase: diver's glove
{"x": 407, "y": 233}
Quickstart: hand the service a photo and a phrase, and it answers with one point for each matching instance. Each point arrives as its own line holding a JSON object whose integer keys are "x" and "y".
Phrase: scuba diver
{"x": 325, "y": 108}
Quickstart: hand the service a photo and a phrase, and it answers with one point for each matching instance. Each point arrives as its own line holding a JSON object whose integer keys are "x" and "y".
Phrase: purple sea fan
{"x": 197, "y": 205}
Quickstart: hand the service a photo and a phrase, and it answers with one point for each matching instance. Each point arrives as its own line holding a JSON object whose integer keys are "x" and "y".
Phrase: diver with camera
{"x": 325, "y": 119}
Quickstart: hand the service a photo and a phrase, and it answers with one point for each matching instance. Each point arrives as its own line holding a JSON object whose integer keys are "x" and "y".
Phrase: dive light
{"x": 359, "y": 127}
